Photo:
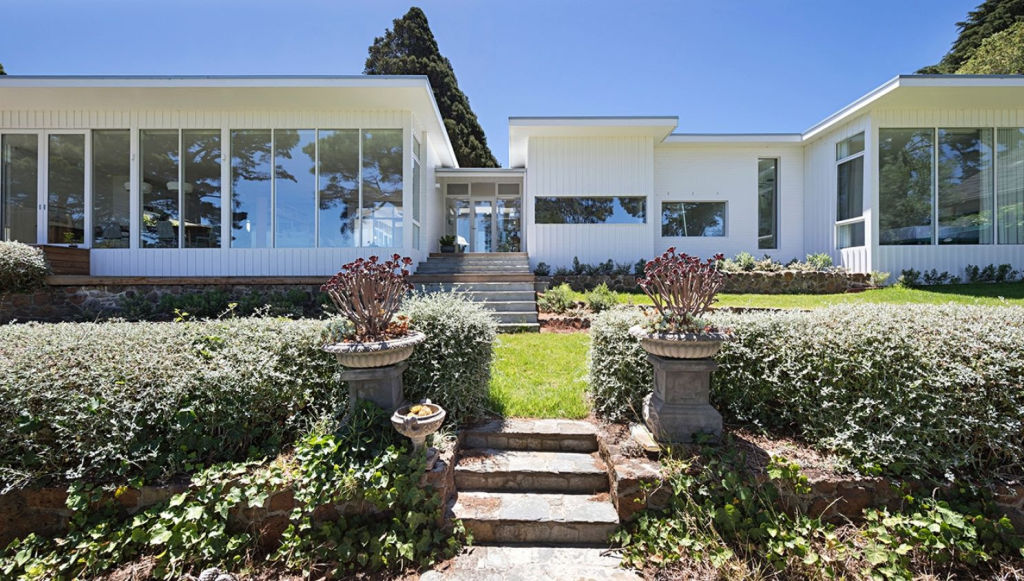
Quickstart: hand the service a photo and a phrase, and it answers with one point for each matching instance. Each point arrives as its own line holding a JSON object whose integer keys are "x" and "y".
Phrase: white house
{"x": 293, "y": 176}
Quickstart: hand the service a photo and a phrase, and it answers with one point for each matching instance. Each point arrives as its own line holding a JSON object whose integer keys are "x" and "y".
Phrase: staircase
{"x": 534, "y": 482}
{"x": 501, "y": 281}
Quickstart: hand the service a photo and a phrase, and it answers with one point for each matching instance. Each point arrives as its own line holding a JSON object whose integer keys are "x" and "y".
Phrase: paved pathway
{"x": 532, "y": 564}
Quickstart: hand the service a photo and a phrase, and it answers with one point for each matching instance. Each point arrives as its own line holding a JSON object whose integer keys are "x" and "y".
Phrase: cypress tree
{"x": 2, "y": 70}
{"x": 409, "y": 48}
{"x": 990, "y": 17}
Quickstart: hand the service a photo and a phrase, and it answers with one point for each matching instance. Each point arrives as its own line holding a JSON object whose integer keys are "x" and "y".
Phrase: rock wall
{"x": 759, "y": 282}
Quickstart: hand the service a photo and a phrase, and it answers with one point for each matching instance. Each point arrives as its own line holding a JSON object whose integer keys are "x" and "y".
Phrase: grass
{"x": 1009, "y": 293}
{"x": 540, "y": 375}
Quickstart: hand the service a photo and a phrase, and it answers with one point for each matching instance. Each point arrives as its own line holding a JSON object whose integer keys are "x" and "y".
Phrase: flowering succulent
{"x": 368, "y": 292}
{"x": 682, "y": 288}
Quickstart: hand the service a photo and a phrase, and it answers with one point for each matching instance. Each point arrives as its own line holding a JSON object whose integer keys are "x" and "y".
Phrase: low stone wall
{"x": 44, "y": 511}
{"x": 53, "y": 304}
{"x": 758, "y": 282}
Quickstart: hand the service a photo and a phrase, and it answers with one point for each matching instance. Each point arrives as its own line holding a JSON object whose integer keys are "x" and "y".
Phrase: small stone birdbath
{"x": 417, "y": 426}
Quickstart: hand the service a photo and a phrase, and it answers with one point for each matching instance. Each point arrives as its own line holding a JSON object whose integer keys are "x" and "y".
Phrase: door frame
{"x": 492, "y": 196}
{"x": 40, "y": 185}
{"x": 44, "y": 192}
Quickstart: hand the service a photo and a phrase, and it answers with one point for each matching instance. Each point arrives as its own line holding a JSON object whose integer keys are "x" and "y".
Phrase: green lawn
{"x": 1012, "y": 293}
{"x": 540, "y": 375}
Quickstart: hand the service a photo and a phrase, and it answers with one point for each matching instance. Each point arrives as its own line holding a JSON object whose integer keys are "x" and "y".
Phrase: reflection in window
{"x": 339, "y": 187}
{"x": 905, "y": 186}
{"x": 596, "y": 210}
{"x": 1010, "y": 161}
{"x": 693, "y": 219}
{"x": 850, "y": 189}
{"x": 767, "y": 203}
{"x": 111, "y": 197}
{"x": 65, "y": 184}
{"x": 509, "y": 222}
{"x": 19, "y": 192}
{"x": 850, "y": 146}
{"x": 250, "y": 189}
{"x": 382, "y": 188}
{"x": 158, "y": 151}
{"x": 848, "y": 235}
{"x": 294, "y": 188}
{"x": 201, "y": 188}
{"x": 965, "y": 186}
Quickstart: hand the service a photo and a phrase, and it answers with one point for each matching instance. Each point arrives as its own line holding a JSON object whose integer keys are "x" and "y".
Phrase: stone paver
{"x": 504, "y": 517}
{"x": 490, "y": 469}
{"x": 533, "y": 564}
{"x": 527, "y": 434}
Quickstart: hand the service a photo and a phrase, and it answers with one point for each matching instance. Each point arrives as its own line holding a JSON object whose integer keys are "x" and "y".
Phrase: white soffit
{"x": 521, "y": 129}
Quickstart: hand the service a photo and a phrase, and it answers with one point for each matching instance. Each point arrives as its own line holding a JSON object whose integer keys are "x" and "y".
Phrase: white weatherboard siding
{"x": 728, "y": 173}
{"x": 589, "y": 166}
{"x": 951, "y": 258}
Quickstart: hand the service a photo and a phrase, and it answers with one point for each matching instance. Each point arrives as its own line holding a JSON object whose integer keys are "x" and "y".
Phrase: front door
{"x": 20, "y": 206}
{"x": 485, "y": 217}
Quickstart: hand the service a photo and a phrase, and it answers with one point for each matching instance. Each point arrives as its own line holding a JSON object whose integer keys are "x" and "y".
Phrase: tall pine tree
{"x": 2, "y": 70}
{"x": 990, "y": 17}
{"x": 410, "y": 49}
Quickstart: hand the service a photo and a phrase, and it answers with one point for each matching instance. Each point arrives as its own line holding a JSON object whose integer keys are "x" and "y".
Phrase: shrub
{"x": 216, "y": 303}
{"x": 120, "y": 401}
{"x": 878, "y": 278}
{"x": 557, "y": 299}
{"x": 619, "y": 373}
{"x": 22, "y": 267}
{"x": 601, "y": 299}
{"x": 452, "y": 366}
{"x": 543, "y": 269}
{"x": 820, "y": 261}
{"x": 909, "y": 278}
{"x": 908, "y": 390}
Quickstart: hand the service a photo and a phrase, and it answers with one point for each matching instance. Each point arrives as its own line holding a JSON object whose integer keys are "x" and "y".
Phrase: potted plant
{"x": 447, "y": 244}
{"x": 682, "y": 289}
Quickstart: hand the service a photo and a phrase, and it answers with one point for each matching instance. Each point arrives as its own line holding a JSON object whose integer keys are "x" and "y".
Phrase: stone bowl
{"x": 375, "y": 353}
{"x": 417, "y": 428}
{"x": 679, "y": 345}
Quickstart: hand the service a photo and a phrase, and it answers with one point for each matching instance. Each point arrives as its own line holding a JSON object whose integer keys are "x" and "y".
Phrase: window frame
{"x": 725, "y": 217}
{"x": 840, "y": 161}
{"x": 776, "y": 214}
{"x": 641, "y": 223}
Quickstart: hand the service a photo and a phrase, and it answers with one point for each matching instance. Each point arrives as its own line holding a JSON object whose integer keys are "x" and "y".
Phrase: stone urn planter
{"x": 375, "y": 353}
{"x": 373, "y": 370}
{"x": 679, "y": 345}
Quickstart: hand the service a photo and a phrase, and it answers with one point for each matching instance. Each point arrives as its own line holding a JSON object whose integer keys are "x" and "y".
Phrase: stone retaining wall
{"x": 767, "y": 283}
{"x": 44, "y": 511}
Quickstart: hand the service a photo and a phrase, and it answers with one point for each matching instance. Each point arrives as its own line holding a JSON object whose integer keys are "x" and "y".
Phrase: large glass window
{"x": 905, "y": 167}
{"x": 339, "y": 187}
{"x": 1010, "y": 164}
{"x": 382, "y": 188}
{"x": 294, "y": 188}
{"x": 201, "y": 188}
{"x": 965, "y": 186}
{"x": 591, "y": 210}
{"x": 768, "y": 203}
{"x": 111, "y": 195}
{"x": 850, "y": 192}
{"x": 251, "y": 189}
{"x": 693, "y": 219}
{"x": 159, "y": 166}
{"x": 65, "y": 188}
{"x": 19, "y": 194}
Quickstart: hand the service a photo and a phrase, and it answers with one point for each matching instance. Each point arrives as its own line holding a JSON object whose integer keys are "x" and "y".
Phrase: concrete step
{"x": 519, "y": 327}
{"x": 516, "y": 470}
{"x": 509, "y": 306}
{"x": 450, "y": 279}
{"x": 494, "y": 563}
{"x": 529, "y": 518}
{"x": 551, "y": 435}
{"x": 516, "y": 316}
{"x": 478, "y": 287}
{"x": 436, "y": 270}
{"x": 479, "y": 255}
{"x": 491, "y": 296}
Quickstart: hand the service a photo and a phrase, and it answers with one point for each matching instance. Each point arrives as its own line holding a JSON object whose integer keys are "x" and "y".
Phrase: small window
{"x": 591, "y": 210}
{"x": 849, "y": 235}
{"x": 693, "y": 219}
{"x": 850, "y": 189}
{"x": 850, "y": 146}
{"x": 767, "y": 203}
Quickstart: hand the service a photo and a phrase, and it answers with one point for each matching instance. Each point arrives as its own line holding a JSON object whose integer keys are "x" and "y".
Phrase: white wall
{"x": 721, "y": 172}
{"x": 589, "y": 166}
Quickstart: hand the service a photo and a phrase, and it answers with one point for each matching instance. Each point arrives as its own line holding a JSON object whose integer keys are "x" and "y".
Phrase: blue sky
{"x": 719, "y": 65}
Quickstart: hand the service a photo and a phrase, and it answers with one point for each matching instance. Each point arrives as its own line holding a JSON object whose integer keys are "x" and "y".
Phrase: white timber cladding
{"x": 728, "y": 173}
{"x": 952, "y": 258}
{"x": 232, "y": 261}
{"x": 819, "y": 197}
{"x": 586, "y": 167}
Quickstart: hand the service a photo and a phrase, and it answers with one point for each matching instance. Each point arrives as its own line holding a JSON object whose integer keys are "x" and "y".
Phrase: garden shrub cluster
{"x": 365, "y": 460}
{"x": 214, "y": 303}
{"x": 23, "y": 268}
{"x": 557, "y": 299}
{"x": 972, "y": 273}
{"x": 906, "y": 390}
{"x": 745, "y": 262}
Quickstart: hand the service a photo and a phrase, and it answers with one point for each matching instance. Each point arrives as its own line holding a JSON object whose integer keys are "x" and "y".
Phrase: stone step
{"x": 508, "y": 306}
{"x": 479, "y": 255}
{"x": 451, "y": 279}
{"x": 518, "y": 470}
{"x": 471, "y": 269}
{"x": 494, "y": 563}
{"x": 516, "y": 316}
{"x": 518, "y": 327}
{"x": 491, "y": 296}
{"x": 478, "y": 287}
{"x": 529, "y": 518}
{"x": 551, "y": 435}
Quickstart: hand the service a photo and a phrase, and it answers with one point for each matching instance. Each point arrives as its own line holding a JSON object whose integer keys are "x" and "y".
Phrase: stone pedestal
{"x": 381, "y": 385}
{"x": 679, "y": 406}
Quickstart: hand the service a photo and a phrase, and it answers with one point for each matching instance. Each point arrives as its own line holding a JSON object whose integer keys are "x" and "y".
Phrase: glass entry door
{"x": 19, "y": 190}
{"x": 65, "y": 188}
{"x": 485, "y": 217}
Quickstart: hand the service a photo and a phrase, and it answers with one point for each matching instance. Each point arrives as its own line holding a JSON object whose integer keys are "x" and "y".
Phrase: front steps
{"x": 534, "y": 482}
{"x": 533, "y": 564}
{"x": 501, "y": 281}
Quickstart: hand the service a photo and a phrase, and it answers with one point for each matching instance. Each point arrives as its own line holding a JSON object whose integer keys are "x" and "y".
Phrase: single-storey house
{"x": 293, "y": 176}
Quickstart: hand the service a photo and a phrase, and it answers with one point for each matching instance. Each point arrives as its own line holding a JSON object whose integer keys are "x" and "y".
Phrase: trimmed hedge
{"x": 23, "y": 268}
{"x": 909, "y": 390}
{"x": 619, "y": 373}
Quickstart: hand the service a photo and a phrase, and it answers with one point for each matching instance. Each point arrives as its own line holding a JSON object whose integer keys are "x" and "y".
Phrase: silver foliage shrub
{"x": 452, "y": 367}
{"x": 119, "y": 401}
{"x": 915, "y": 390}
{"x": 22, "y": 267}
{"x": 620, "y": 375}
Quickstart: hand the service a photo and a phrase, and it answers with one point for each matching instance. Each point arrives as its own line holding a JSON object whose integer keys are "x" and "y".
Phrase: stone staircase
{"x": 501, "y": 281}
{"x": 534, "y": 482}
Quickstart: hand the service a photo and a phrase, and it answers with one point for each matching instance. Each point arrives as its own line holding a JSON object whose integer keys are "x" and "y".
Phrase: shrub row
{"x": 916, "y": 390}
{"x": 22, "y": 267}
{"x": 113, "y": 402}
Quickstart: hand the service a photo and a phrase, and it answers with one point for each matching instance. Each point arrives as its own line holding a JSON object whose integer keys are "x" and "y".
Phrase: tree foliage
{"x": 989, "y": 18}
{"x": 409, "y": 48}
{"x": 2, "y": 72}
{"x": 1000, "y": 54}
